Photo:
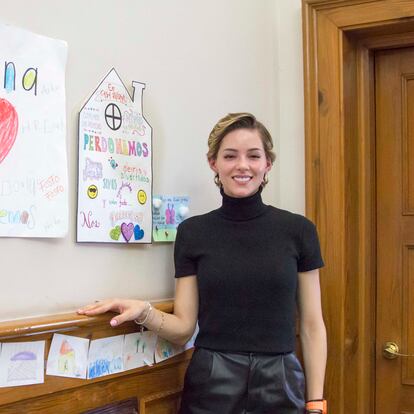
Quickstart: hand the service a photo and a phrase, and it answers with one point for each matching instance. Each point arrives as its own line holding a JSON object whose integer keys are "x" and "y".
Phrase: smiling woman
{"x": 258, "y": 265}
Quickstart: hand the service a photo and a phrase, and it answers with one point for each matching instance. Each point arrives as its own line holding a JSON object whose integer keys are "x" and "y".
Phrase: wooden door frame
{"x": 339, "y": 40}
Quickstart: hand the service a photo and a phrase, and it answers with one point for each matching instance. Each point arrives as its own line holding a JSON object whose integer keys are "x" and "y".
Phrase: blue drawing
{"x": 9, "y": 76}
{"x": 102, "y": 367}
{"x": 138, "y": 232}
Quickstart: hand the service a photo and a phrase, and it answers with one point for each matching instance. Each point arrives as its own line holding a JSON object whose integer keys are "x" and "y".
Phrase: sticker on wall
{"x": 115, "y": 165}
{"x": 33, "y": 164}
{"x": 168, "y": 212}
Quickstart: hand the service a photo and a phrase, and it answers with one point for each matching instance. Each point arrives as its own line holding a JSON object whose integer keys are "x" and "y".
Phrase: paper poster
{"x": 115, "y": 166}
{"x": 22, "y": 363}
{"x": 105, "y": 356}
{"x": 33, "y": 164}
{"x": 139, "y": 349}
{"x": 165, "y": 350}
{"x": 168, "y": 212}
{"x": 68, "y": 356}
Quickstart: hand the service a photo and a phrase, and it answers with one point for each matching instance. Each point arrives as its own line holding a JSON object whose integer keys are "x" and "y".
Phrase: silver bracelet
{"x": 142, "y": 322}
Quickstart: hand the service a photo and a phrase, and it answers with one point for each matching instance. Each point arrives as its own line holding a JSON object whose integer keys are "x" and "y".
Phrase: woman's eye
{"x": 254, "y": 156}
{"x": 226, "y": 157}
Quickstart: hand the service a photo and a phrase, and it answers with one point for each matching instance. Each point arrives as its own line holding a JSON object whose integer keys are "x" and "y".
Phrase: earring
{"x": 265, "y": 180}
{"x": 217, "y": 181}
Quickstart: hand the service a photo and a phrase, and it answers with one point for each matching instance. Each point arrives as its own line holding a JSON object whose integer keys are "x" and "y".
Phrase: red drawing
{"x": 8, "y": 127}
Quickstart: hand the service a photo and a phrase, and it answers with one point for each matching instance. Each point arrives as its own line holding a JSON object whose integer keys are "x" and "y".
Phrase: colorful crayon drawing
{"x": 68, "y": 356}
{"x": 105, "y": 356}
{"x": 139, "y": 349}
{"x": 167, "y": 213}
{"x": 8, "y": 127}
{"x": 33, "y": 162}
{"x": 21, "y": 363}
{"x": 165, "y": 350}
{"x": 115, "y": 152}
{"x": 22, "y": 367}
{"x": 67, "y": 359}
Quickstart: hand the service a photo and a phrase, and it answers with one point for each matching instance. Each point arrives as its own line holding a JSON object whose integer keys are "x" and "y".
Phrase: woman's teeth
{"x": 242, "y": 179}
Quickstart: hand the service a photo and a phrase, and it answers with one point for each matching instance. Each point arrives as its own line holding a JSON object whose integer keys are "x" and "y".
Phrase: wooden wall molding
{"x": 339, "y": 38}
{"x": 156, "y": 389}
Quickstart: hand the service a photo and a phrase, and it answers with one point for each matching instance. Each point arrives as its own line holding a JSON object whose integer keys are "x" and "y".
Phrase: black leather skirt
{"x": 243, "y": 383}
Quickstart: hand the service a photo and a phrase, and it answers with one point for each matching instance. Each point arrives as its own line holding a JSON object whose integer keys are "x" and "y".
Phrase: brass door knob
{"x": 390, "y": 350}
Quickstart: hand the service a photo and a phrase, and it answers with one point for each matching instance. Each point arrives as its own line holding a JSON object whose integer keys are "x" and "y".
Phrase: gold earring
{"x": 217, "y": 181}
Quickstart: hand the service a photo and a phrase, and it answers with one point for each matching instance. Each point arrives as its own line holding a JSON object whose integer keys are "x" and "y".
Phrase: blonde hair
{"x": 240, "y": 120}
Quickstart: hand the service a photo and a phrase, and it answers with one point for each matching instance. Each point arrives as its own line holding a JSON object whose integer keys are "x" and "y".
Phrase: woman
{"x": 241, "y": 272}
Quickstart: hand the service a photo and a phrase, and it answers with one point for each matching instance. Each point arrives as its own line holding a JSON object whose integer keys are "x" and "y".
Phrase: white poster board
{"x": 33, "y": 164}
{"x": 115, "y": 166}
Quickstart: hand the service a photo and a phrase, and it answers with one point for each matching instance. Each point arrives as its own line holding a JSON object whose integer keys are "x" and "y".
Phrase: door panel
{"x": 394, "y": 89}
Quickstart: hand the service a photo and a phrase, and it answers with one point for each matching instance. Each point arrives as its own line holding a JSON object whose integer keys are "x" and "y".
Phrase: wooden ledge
{"x": 64, "y": 322}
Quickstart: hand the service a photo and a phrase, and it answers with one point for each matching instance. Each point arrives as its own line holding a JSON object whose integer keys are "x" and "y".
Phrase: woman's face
{"x": 241, "y": 163}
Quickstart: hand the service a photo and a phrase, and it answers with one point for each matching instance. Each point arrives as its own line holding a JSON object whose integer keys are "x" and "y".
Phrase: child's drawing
{"x": 68, "y": 356}
{"x": 165, "y": 350}
{"x": 167, "y": 213}
{"x": 139, "y": 349}
{"x": 21, "y": 363}
{"x": 105, "y": 356}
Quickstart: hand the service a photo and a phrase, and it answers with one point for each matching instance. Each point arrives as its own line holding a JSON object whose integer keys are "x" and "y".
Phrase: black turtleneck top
{"x": 246, "y": 256}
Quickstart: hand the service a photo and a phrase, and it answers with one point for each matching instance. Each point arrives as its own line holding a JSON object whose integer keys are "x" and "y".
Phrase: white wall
{"x": 199, "y": 60}
{"x": 290, "y": 113}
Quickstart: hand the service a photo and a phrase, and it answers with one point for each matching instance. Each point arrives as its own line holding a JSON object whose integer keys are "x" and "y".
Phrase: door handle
{"x": 390, "y": 350}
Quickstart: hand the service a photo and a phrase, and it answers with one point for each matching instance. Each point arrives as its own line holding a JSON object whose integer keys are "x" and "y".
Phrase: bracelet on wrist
{"x": 148, "y": 308}
{"x": 162, "y": 323}
{"x": 316, "y": 407}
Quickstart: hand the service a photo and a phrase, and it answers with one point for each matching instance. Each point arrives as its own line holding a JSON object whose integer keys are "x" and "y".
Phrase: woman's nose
{"x": 242, "y": 163}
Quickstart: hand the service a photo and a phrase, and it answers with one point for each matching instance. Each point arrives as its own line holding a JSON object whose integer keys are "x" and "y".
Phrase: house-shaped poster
{"x": 115, "y": 166}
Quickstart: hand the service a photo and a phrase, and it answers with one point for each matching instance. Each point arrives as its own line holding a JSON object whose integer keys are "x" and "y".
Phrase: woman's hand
{"x": 128, "y": 309}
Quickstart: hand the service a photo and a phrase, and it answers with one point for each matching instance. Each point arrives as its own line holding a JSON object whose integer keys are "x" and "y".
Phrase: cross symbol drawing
{"x": 113, "y": 116}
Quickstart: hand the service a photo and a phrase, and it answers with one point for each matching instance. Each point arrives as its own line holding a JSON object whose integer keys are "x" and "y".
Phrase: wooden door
{"x": 394, "y": 89}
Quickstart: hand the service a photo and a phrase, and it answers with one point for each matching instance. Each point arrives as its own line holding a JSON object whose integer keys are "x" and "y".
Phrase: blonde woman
{"x": 243, "y": 271}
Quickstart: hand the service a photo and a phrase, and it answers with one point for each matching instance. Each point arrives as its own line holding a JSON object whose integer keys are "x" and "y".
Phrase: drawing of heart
{"x": 138, "y": 232}
{"x": 115, "y": 233}
{"x": 127, "y": 230}
{"x": 8, "y": 127}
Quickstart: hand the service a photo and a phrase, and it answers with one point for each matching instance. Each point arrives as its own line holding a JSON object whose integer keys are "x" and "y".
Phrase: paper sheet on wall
{"x": 115, "y": 167}
{"x": 190, "y": 343}
{"x": 139, "y": 349}
{"x": 105, "y": 356}
{"x": 33, "y": 164}
{"x": 165, "y": 349}
{"x": 68, "y": 356}
{"x": 168, "y": 211}
{"x": 22, "y": 363}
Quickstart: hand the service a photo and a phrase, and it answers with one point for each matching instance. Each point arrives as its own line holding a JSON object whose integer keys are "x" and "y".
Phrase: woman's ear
{"x": 212, "y": 163}
{"x": 268, "y": 164}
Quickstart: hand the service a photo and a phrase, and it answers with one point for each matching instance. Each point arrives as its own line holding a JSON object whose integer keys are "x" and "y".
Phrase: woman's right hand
{"x": 128, "y": 309}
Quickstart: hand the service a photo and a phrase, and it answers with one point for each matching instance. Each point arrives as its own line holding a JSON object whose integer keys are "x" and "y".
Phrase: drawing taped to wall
{"x": 68, "y": 356}
{"x": 165, "y": 349}
{"x": 105, "y": 356}
{"x": 168, "y": 211}
{"x": 115, "y": 166}
{"x": 22, "y": 363}
{"x": 33, "y": 166}
{"x": 139, "y": 349}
